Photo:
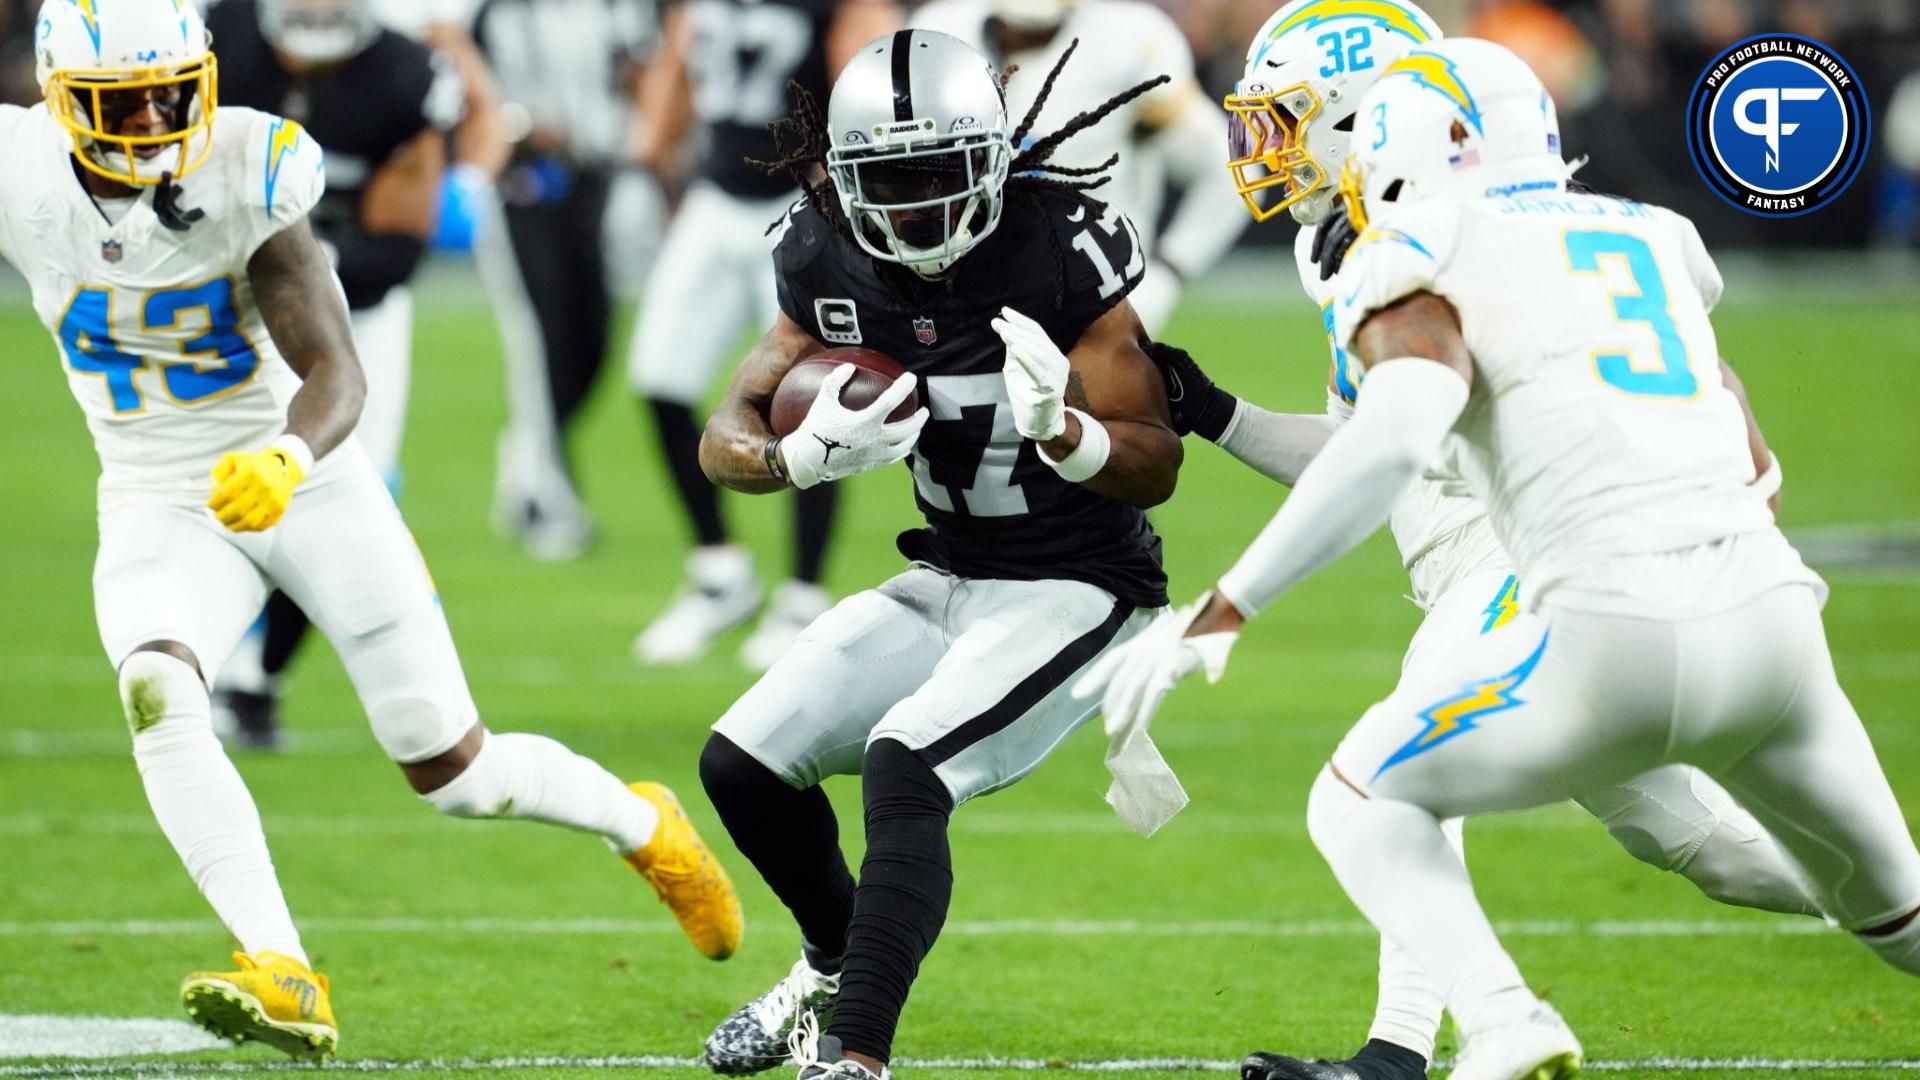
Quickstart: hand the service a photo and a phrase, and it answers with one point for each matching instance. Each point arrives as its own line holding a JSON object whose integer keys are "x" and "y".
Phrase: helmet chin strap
{"x": 1315, "y": 207}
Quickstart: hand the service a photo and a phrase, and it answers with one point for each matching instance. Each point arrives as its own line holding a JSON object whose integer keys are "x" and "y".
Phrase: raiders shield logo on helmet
{"x": 923, "y": 330}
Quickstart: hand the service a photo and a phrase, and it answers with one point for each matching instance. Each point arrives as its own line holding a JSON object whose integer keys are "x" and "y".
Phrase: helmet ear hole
{"x": 1345, "y": 123}
{"x": 1392, "y": 192}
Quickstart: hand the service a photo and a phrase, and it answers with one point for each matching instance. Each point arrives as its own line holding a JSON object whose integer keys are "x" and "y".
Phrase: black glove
{"x": 1332, "y": 238}
{"x": 1199, "y": 407}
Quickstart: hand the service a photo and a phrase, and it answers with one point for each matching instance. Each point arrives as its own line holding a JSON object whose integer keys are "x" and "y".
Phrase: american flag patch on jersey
{"x": 1465, "y": 159}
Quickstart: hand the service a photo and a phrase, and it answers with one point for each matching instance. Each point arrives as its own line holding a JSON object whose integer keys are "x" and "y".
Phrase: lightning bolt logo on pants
{"x": 1459, "y": 713}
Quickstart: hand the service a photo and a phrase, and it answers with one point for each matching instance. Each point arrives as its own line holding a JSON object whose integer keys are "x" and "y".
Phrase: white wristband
{"x": 296, "y": 448}
{"x": 1768, "y": 483}
{"x": 1087, "y": 459}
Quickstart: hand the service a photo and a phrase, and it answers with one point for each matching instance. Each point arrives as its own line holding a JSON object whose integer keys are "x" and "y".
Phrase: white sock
{"x": 201, "y": 804}
{"x": 1396, "y": 864}
{"x": 1407, "y": 1012}
{"x": 533, "y": 778}
{"x": 1900, "y": 948}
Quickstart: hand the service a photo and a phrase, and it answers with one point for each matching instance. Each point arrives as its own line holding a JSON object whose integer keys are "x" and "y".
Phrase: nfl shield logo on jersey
{"x": 923, "y": 330}
{"x": 111, "y": 251}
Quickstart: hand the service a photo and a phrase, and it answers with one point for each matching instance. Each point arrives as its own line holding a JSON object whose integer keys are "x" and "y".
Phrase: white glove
{"x": 1036, "y": 374}
{"x": 835, "y": 442}
{"x": 1137, "y": 676}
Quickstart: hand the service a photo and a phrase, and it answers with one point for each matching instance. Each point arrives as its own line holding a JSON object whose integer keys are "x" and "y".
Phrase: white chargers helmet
{"x": 1293, "y": 108}
{"x": 919, "y": 149}
{"x": 1462, "y": 118}
{"x": 100, "y": 61}
{"x": 318, "y": 32}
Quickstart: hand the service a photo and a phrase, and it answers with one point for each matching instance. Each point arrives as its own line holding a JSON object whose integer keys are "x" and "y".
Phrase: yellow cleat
{"x": 272, "y": 999}
{"x": 690, "y": 881}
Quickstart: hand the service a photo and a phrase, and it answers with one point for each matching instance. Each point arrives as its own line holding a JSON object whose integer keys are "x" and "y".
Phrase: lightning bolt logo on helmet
{"x": 1387, "y": 14}
{"x": 1293, "y": 109}
{"x": 1442, "y": 76}
{"x": 1459, "y": 118}
{"x": 92, "y": 56}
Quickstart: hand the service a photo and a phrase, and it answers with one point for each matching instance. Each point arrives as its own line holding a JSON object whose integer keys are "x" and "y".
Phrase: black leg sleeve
{"x": 791, "y": 838}
{"x": 813, "y": 513}
{"x": 906, "y": 884}
{"x": 286, "y": 629}
{"x": 680, "y": 444}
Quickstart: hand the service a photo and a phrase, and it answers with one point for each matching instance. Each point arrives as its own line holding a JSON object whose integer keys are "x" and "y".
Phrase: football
{"x": 802, "y": 384}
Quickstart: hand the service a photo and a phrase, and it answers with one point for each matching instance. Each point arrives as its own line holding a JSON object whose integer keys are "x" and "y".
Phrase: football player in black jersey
{"x": 728, "y": 67}
{"x": 382, "y": 105}
{"x": 1002, "y": 288}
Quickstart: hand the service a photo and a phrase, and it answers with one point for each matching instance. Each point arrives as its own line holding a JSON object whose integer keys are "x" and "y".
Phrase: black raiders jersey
{"x": 360, "y": 112}
{"x": 742, "y": 56}
{"x": 993, "y": 508}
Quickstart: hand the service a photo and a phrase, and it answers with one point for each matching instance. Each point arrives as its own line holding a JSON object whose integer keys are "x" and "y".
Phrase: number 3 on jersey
{"x": 213, "y": 362}
{"x": 1650, "y": 305}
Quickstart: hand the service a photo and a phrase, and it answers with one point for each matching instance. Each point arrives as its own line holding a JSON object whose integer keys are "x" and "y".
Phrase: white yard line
{"x": 162, "y": 1068}
{"x": 413, "y": 821}
{"x": 1216, "y": 928}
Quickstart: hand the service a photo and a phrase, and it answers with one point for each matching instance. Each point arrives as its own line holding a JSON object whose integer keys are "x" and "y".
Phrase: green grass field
{"x": 508, "y": 949}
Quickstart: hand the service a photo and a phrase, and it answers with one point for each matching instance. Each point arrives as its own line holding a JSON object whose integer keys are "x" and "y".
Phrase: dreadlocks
{"x": 801, "y": 141}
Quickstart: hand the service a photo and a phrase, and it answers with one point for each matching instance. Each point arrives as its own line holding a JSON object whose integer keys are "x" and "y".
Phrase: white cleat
{"x": 1536, "y": 1046}
{"x": 758, "y": 1035}
{"x": 720, "y": 594}
{"x": 794, "y": 606}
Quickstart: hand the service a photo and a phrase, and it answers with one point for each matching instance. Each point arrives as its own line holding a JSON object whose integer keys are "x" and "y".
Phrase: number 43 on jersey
{"x": 202, "y": 323}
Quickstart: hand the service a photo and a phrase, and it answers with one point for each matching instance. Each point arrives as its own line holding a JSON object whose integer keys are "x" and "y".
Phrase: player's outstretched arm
{"x": 1278, "y": 446}
{"x": 733, "y": 449}
{"x": 293, "y": 286}
{"x": 1098, "y": 413}
{"x": 1418, "y": 375}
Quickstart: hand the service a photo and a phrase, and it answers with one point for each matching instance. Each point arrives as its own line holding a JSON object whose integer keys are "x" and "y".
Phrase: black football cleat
{"x": 246, "y": 720}
{"x": 1377, "y": 1060}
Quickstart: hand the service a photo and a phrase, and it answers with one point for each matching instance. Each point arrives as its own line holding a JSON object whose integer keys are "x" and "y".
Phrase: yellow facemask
{"x": 1267, "y": 143}
{"x": 1350, "y": 183}
{"x": 75, "y": 96}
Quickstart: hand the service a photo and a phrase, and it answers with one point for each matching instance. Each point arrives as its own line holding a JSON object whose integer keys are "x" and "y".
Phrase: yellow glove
{"x": 251, "y": 491}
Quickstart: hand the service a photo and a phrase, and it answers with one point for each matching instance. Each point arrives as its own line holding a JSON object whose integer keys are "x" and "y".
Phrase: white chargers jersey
{"x": 164, "y": 348}
{"x": 1599, "y": 433}
{"x": 1441, "y": 529}
{"x": 1122, "y": 43}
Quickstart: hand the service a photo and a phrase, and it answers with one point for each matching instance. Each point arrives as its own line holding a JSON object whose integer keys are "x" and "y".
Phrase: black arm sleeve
{"x": 372, "y": 264}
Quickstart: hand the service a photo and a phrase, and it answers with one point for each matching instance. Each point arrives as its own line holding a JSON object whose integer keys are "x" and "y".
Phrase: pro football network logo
{"x": 1778, "y": 125}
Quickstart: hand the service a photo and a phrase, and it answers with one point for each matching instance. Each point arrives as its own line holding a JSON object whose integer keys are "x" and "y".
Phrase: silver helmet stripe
{"x": 902, "y": 75}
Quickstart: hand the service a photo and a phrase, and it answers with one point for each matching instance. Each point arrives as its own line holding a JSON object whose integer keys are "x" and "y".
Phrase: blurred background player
{"x": 568, "y": 72}
{"x": 382, "y": 106}
{"x": 1170, "y": 137}
{"x": 725, "y": 71}
{"x": 472, "y": 221}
